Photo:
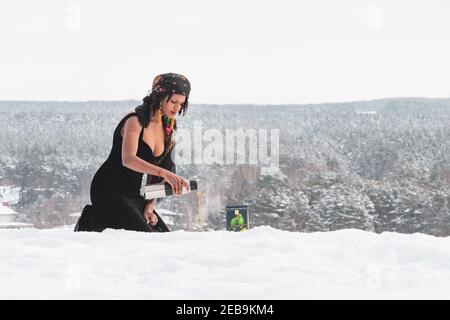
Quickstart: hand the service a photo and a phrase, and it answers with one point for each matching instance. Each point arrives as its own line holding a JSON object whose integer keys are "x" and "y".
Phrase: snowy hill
{"x": 262, "y": 263}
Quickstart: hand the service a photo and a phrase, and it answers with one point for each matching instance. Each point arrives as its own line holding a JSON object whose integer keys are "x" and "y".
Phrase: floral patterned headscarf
{"x": 172, "y": 83}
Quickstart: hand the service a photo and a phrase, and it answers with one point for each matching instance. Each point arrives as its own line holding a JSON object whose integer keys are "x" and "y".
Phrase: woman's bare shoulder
{"x": 132, "y": 124}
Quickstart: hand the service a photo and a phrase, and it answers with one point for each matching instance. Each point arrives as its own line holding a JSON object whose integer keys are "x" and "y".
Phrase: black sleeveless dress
{"x": 115, "y": 191}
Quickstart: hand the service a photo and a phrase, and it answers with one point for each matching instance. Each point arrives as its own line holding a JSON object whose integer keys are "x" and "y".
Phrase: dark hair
{"x": 151, "y": 104}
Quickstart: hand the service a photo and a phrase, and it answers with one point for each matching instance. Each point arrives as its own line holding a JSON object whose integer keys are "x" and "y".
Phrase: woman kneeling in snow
{"x": 142, "y": 143}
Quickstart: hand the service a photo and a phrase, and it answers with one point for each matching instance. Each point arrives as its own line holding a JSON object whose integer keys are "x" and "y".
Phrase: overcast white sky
{"x": 233, "y": 51}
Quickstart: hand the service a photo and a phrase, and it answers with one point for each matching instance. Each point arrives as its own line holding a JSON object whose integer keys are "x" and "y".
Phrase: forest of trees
{"x": 381, "y": 165}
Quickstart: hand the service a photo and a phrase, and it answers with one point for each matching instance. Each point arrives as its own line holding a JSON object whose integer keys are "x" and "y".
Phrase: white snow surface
{"x": 9, "y": 194}
{"x": 4, "y": 210}
{"x": 262, "y": 263}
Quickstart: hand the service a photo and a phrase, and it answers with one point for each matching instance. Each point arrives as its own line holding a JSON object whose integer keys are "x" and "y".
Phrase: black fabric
{"x": 115, "y": 191}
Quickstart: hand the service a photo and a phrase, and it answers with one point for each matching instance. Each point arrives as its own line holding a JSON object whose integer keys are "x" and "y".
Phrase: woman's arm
{"x": 149, "y": 204}
{"x": 132, "y": 130}
{"x": 149, "y": 216}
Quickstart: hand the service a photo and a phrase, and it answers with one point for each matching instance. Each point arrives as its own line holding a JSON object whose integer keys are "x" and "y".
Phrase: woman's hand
{"x": 149, "y": 216}
{"x": 175, "y": 181}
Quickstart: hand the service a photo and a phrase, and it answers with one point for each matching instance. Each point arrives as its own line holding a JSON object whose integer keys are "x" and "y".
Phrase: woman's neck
{"x": 154, "y": 118}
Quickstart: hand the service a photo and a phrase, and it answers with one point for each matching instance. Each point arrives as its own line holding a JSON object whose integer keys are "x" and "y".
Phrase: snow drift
{"x": 263, "y": 263}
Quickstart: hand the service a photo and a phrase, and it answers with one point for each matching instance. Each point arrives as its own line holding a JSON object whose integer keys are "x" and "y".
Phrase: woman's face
{"x": 173, "y": 105}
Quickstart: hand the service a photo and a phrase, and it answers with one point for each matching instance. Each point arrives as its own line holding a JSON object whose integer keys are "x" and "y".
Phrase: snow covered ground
{"x": 9, "y": 194}
{"x": 262, "y": 263}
